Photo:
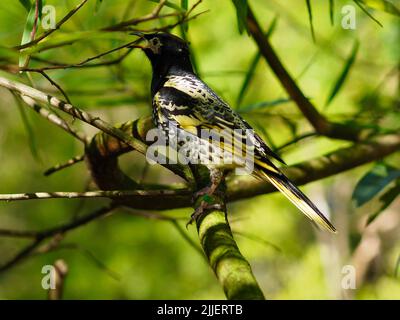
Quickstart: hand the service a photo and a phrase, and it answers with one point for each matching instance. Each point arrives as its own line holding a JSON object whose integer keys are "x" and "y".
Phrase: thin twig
{"x": 64, "y": 165}
{"x": 53, "y": 118}
{"x": 60, "y": 272}
{"x": 40, "y": 236}
{"x": 75, "y": 112}
{"x": 54, "y": 84}
{"x": 83, "y": 64}
{"x": 50, "y": 31}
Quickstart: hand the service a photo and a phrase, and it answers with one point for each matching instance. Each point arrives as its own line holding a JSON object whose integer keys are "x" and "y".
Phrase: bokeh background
{"x": 123, "y": 256}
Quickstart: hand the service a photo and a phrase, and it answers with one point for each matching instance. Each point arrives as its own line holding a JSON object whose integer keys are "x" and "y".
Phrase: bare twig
{"x": 54, "y": 84}
{"x": 64, "y": 165}
{"x": 53, "y": 118}
{"x": 93, "y": 194}
{"x": 60, "y": 272}
{"x": 73, "y": 111}
{"x": 83, "y": 64}
{"x": 155, "y": 14}
{"x": 40, "y": 236}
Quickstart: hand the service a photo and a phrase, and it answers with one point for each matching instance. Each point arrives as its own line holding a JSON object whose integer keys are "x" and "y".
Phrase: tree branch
{"x": 317, "y": 120}
{"x": 231, "y": 268}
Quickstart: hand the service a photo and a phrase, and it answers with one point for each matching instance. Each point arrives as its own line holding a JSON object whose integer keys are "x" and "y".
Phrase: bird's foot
{"x": 204, "y": 206}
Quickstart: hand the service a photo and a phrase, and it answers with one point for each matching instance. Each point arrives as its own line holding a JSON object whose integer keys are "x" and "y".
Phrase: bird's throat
{"x": 164, "y": 67}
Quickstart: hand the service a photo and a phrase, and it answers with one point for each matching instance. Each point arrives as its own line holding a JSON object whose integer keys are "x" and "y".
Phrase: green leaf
{"x": 32, "y": 22}
{"x": 344, "y": 73}
{"x": 241, "y": 14}
{"x": 263, "y": 104}
{"x": 358, "y": 3}
{"x": 389, "y": 6}
{"x": 386, "y": 199}
{"x": 29, "y": 130}
{"x": 310, "y": 19}
{"x": 332, "y": 11}
{"x": 97, "y": 7}
{"x": 26, "y": 4}
{"x": 184, "y": 6}
{"x": 171, "y": 5}
{"x": 253, "y": 66}
{"x": 374, "y": 182}
{"x": 397, "y": 267}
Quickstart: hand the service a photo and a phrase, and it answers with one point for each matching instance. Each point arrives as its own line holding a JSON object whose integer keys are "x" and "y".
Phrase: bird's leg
{"x": 216, "y": 177}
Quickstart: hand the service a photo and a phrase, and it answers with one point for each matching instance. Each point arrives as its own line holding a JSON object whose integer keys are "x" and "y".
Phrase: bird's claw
{"x": 200, "y": 210}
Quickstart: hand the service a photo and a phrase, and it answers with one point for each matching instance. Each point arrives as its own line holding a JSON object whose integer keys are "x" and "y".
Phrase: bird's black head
{"x": 168, "y": 55}
{"x": 166, "y": 51}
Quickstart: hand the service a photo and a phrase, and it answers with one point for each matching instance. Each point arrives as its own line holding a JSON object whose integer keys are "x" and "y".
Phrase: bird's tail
{"x": 298, "y": 198}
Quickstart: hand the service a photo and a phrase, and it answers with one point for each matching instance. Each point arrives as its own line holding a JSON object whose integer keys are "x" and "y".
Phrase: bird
{"x": 182, "y": 101}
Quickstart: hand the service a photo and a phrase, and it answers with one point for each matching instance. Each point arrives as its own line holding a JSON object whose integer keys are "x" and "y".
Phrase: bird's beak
{"x": 144, "y": 43}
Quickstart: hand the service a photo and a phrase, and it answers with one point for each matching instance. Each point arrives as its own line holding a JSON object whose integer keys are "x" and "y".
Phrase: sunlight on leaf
{"x": 343, "y": 75}
{"x": 386, "y": 199}
{"x": 374, "y": 182}
{"x": 253, "y": 66}
{"x": 32, "y": 22}
{"x": 358, "y": 3}
{"x": 263, "y": 104}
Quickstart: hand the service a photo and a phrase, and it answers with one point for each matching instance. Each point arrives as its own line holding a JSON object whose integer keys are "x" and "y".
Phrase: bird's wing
{"x": 192, "y": 105}
{"x": 195, "y": 106}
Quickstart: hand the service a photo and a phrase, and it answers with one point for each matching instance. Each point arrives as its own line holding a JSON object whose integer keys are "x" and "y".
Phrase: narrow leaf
{"x": 392, "y": 7}
{"x": 310, "y": 19}
{"x": 263, "y": 104}
{"x": 241, "y": 14}
{"x": 357, "y": 2}
{"x": 253, "y": 66}
{"x": 31, "y": 26}
{"x": 29, "y": 131}
{"x": 397, "y": 267}
{"x": 374, "y": 182}
{"x": 98, "y": 4}
{"x": 170, "y": 4}
{"x": 386, "y": 199}
{"x": 332, "y": 11}
{"x": 343, "y": 74}
{"x": 185, "y": 6}
{"x": 26, "y": 4}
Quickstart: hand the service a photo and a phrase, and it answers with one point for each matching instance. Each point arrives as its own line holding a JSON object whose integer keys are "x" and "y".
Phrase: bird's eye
{"x": 155, "y": 41}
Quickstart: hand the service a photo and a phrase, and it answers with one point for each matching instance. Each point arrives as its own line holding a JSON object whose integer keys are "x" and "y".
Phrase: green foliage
{"x": 171, "y": 4}
{"x": 310, "y": 18}
{"x": 343, "y": 74}
{"x": 332, "y": 11}
{"x": 157, "y": 259}
{"x": 386, "y": 200}
{"x": 374, "y": 182}
{"x": 390, "y": 6}
{"x": 26, "y": 4}
{"x": 31, "y": 26}
{"x": 360, "y": 5}
{"x": 252, "y": 67}
{"x": 241, "y": 13}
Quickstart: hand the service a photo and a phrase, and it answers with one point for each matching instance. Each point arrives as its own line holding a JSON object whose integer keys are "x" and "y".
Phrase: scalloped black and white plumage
{"x": 185, "y": 102}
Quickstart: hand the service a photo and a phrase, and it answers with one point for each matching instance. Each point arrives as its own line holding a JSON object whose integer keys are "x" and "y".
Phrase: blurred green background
{"x": 124, "y": 256}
